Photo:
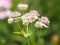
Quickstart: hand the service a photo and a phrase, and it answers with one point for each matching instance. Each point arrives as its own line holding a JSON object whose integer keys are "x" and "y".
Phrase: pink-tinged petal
{"x": 7, "y": 13}
{"x": 2, "y": 16}
{"x": 5, "y": 4}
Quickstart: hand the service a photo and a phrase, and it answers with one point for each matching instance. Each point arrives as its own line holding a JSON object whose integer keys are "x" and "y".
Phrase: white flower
{"x": 10, "y": 20}
{"x": 25, "y": 22}
{"x": 34, "y": 15}
{"x": 45, "y": 20}
{"x": 25, "y": 19}
{"x": 42, "y": 22}
{"x": 39, "y": 24}
{"x": 15, "y": 15}
{"x": 22, "y": 6}
{"x": 29, "y": 17}
{"x": 34, "y": 12}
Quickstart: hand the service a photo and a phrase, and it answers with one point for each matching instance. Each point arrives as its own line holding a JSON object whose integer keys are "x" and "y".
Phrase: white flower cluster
{"x": 32, "y": 16}
{"x": 10, "y": 20}
{"x": 13, "y": 17}
{"x": 22, "y": 6}
{"x": 43, "y": 22}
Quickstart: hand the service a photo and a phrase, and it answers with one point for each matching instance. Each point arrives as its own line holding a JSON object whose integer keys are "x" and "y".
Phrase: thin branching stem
{"x": 18, "y": 25}
{"x": 27, "y": 29}
{"x": 28, "y": 41}
{"x": 39, "y": 36}
{"x": 27, "y": 37}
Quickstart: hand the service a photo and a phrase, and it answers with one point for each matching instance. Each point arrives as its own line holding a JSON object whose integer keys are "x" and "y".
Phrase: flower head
{"x": 25, "y": 18}
{"x": 39, "y": 24}
{"x": 34, "y": 12}
{"x": 15, "y": 15}
{"x": 10, "y": 20}
{"x": 45, "y": 20}
{"x": 42, "y": 22}
{"x": 34, "y": 15}
{"x": 22, "y": 6}
{"x": 29, "y": 17}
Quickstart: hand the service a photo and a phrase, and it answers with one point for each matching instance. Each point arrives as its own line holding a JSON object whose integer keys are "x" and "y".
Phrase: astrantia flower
{"x": 34, "y": 12}
{"x": 42, "y": 22}
{"x": 45, "y": 20}
{"x": 29, "y": 17}
{"x": 10, "y": 20}
{"x": 25, "y": 18}
{"x": 22, "y": 6}
{"x": 15, "y": 15}
{"x": 25, "y": 22}
{"x": 39, "y": 24}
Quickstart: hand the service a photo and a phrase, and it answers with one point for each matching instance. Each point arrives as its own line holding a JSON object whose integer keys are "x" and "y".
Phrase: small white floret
{"x": 10, "y": 20}
{"x": 22, "y": 6}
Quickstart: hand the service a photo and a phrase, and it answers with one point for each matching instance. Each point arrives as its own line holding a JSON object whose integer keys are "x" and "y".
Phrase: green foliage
{"x": 49, "y": 8}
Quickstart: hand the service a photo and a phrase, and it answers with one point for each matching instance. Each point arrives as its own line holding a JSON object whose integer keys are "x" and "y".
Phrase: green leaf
{"x": 17, "y": 32}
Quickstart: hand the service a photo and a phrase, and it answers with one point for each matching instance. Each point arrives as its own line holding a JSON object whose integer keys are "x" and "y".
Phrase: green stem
{"x": 27, "y": 30}
{"x": 28, "y": 41}
{"x": 39, "y": 37}
{"x": 27, "y": 37}
{"x": 22, "y": 12}
{"x": 18, "y": 26}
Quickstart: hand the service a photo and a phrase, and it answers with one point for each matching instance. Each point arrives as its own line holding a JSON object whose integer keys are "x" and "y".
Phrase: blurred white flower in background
{"x": 5, "y": 6}
{"x": 22, "y": 6}
{"x": 7, "y": 13}
{"x": 2, "y": 15}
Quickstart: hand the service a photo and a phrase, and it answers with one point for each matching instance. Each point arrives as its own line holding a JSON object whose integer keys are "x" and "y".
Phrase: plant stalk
{"x": 18, "y": 26}
{"x": 27, "y": 37}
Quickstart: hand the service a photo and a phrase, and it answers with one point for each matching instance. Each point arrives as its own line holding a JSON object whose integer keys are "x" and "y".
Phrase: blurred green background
{"x": 50, "y": 36}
